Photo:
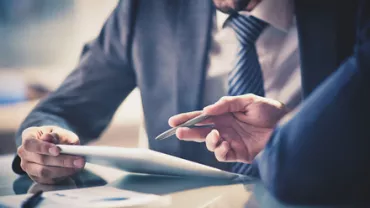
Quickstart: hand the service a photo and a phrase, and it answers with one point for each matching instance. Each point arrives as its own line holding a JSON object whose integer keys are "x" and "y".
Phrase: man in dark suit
{"x": 179, "y": 54}
{"x": 322, "y": 155}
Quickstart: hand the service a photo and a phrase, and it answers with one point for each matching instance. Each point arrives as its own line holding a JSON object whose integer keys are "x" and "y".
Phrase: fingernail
{"x": 55, "y": 138}
{"x": 53, "y": 151}
{"x": 79, "y": 163}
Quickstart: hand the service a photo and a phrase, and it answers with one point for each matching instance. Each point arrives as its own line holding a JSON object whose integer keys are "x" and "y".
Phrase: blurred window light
{"x": 41, "y": 42}
{"x": 25, "y": 11}
{"x": 36, "y": 33}
{"x": 12, "y": 89}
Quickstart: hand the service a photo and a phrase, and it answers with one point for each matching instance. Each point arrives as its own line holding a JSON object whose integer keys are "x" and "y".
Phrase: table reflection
{"x": 184, "y": 192}
{"x": 162, "y": 185}
{"x": 84, "y": 179}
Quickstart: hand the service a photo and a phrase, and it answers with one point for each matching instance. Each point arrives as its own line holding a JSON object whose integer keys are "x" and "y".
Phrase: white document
{"x": 103, "y": 196}
{"x": 137, "y": 160}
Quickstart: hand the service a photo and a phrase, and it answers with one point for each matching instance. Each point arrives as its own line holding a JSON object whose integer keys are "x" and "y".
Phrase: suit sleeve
{"x": 322, "y": 155}
{"x": 88, "y": 98}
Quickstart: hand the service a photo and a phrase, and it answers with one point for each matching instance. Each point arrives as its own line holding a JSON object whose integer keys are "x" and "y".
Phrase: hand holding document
{"x": 137, "y": 160}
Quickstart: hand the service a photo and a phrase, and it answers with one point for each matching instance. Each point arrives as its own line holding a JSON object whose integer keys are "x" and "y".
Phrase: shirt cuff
{"x": 16, "y": 166}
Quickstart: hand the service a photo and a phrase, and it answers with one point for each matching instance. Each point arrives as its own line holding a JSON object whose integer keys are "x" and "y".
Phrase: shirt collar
{"x": 279, "y": 14}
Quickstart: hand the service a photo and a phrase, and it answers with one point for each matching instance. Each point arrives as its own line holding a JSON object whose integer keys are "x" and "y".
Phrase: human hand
{"x": 242, "y": 126}
{"x": 41, "y": 158}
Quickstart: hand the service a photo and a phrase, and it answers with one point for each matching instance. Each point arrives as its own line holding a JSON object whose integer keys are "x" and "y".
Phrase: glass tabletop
{"x": 184, "y": 192}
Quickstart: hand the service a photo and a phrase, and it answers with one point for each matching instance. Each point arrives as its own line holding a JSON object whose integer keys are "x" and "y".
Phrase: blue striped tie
{"x": 246, "y": 76}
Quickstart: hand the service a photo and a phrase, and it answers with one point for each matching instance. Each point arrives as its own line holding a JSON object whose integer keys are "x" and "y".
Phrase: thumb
{"x": 230, "y": 104}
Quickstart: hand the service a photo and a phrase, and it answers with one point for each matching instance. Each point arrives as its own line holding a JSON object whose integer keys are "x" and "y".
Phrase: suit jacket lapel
{"x": 193, "y": 40}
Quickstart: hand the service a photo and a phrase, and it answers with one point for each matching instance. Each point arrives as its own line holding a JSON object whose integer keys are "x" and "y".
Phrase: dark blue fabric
{"x": 322, "y": 155}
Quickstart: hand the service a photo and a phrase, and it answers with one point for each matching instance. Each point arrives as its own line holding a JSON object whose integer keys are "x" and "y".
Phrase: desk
{"x": 185, "y": 193}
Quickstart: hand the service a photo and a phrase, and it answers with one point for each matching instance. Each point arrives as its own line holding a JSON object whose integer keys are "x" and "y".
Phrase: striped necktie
{"x": 246, "y": 75}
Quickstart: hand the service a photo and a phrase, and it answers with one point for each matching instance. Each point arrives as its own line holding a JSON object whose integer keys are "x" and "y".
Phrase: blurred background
{"x": 40, "y": 44}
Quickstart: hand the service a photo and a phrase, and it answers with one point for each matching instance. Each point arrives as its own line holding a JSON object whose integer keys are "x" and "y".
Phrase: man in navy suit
{"x": 322, "y": 155}
{"x": 179, "y": 54}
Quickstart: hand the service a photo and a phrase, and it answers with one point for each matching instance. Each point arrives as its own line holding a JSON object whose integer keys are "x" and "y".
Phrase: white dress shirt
{"x": 277, "y": 49}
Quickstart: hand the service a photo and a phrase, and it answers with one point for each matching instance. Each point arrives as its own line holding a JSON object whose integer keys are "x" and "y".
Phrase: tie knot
{"x": 247, "y": 28}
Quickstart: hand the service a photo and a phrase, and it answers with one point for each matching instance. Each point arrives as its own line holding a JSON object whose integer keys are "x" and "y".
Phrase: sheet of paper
{"x": 139, "y": 160}
{"x": 103, "y": 196}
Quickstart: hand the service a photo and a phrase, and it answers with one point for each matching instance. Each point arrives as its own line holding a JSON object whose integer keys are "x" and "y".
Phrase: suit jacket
{"x": 322, "y": 155}
{"x": 160, "y": 47}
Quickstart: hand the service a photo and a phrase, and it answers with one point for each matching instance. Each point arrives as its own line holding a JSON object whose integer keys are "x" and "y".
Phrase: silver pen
{"x": 190, "y": 124}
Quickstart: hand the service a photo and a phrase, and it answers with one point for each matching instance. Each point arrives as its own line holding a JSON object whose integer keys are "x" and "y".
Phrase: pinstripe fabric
{"x": 246, "y": 76}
